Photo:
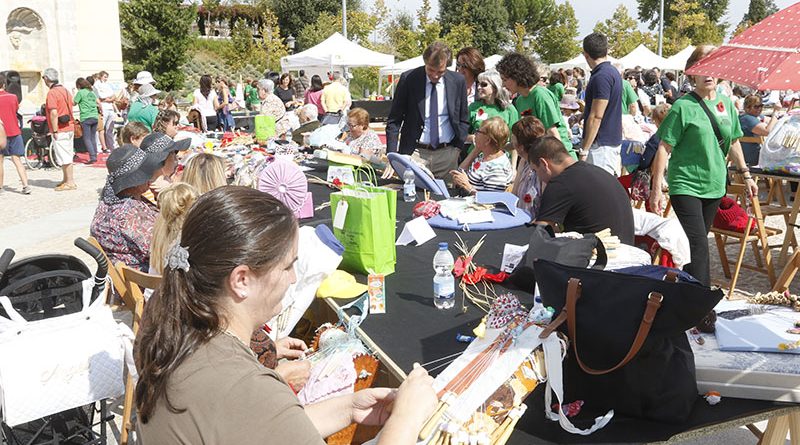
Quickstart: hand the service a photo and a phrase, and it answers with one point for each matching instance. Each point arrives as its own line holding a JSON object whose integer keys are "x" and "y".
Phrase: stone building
{"x": 77, "y": 37}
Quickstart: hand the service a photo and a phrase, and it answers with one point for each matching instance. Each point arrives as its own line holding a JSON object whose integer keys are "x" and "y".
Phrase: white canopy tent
{"x": 335, "y": 51}
{"x": 492, "y": 60}
{"x": 643, "y": 57}
{"x": 401, "y": 67}
{"x": 578, "y": 61}
{"x": 677, "y": 62}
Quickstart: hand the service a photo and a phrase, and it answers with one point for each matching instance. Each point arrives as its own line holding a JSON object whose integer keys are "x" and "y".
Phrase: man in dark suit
{"x": 429, "y": 113}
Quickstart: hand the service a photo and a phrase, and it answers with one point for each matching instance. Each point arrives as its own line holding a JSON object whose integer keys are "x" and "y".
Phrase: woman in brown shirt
{"x": 199, "y": 382}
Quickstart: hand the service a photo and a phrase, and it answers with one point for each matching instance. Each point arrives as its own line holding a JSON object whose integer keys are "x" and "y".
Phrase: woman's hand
{"x": 295, "y": 373}
{"x": 460, "y": 180}
{"x": 658, "y": 201}
{"x": 291, "y": 348}
{"x": 410, "y": 404}
{"x": 752, "y": 187}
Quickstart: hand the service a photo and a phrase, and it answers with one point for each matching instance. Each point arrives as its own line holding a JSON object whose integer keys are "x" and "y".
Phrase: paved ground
{"x": 48, "y": 222}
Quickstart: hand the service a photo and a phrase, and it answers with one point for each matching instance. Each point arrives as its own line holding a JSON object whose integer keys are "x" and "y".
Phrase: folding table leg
{"x": 776, "y": 431}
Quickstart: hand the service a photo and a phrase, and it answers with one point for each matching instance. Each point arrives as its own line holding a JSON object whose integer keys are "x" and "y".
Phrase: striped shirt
{"x": 493, "y": 175}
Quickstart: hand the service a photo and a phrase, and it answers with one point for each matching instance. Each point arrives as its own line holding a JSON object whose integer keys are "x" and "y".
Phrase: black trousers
{"x": 696, "y": 216}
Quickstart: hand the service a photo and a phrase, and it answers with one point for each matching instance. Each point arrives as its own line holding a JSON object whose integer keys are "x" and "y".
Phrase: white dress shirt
{"x": 445, "y": 129}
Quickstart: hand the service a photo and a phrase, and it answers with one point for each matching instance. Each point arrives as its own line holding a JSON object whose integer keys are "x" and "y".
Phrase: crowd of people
{"x": 551, "y": 138}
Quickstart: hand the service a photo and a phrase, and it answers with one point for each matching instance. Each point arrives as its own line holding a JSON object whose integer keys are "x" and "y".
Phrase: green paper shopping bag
{"x": 368, "y": 229}
{"x": 264, "y": 127}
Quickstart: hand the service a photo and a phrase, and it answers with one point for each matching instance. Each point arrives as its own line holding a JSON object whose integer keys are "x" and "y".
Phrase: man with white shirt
{"x": 429, "y": 113}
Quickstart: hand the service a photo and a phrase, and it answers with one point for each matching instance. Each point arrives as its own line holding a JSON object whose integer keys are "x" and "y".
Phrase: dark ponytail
{"x": 226, "y": 227}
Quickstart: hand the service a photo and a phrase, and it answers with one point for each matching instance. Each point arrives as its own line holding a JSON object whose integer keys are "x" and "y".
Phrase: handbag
{"x": 78, "y": 132}
{"x": 640, "y": 185}
{"x": 545, "y": 245}
{"x": 54, "y": 364}
{"x": 629, "y": 351}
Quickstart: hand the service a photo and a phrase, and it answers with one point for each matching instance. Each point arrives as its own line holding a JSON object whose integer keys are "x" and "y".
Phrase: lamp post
{"x": 290, "y": 43}
{"x": 661, "y": 30}
{"x": 344, "y": 18}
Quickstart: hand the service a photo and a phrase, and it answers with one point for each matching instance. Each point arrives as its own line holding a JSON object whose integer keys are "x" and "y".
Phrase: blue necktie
{"x": 433, "y": 117}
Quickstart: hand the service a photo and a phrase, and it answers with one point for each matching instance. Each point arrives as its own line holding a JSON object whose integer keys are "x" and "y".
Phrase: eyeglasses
{"x": 630, "y": 78}
{"x": 460, "y": 65}
{"x": 483, "y": 84}
{"x": 758, "y": 106}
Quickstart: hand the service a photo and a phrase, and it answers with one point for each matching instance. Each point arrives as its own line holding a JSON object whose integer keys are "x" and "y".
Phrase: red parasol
{"x": 765, "y": 56}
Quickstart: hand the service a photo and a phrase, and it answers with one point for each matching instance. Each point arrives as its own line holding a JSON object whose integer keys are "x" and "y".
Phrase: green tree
{"x": 402, "y": 37}
{"x": 460, "y": 36}
{"x": 695, "y": 27}
{"x": 649, "y": 10}
{"x": 623, "y": 33}
{"x": 272, "y": 46}
{"x": 293, "y": 16}
{"x": 359, "y": 25}
{"x": 157, "y": 39}
{"x": 756, "y": 12}
{"x": 242, "y": 48}
{"x": 557, "y": 42}
{"x": 532, "y": 14}
{"x": 488, "y": 18}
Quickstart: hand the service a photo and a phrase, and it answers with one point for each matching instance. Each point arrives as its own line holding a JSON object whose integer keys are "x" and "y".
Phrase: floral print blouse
{"x": 125, "y": 230}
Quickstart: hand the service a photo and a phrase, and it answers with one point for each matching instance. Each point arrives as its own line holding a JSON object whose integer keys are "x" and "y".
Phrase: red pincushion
{"x": 428, "y": 209}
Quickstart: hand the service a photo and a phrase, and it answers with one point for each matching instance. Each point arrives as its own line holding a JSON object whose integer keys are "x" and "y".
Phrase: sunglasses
{"x": 460, "y": 65}
{"x": 483, "y": 84}
{"x": 631, "y": 78}
{"x": 758, "y": 106}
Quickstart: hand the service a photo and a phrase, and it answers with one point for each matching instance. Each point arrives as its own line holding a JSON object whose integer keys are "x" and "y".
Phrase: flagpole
{"x": 344, "y": 17}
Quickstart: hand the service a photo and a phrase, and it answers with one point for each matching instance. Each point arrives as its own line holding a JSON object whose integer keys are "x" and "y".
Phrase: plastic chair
{"x": 758, "y": 241}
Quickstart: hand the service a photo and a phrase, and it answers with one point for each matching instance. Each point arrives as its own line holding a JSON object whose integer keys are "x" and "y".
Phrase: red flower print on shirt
{"x": 476, "y": 166}
{"x": 721, "y": 107}
{"x": 527, "y": 198}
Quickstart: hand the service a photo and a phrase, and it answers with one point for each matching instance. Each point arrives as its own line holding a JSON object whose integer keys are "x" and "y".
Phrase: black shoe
{"x": 91, "y": 161}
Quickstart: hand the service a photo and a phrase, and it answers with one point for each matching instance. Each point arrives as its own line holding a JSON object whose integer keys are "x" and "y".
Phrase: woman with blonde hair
{"x": 173, "y": 204}
{"x": 205, "y": 172}
{"x": 491, "y": 170}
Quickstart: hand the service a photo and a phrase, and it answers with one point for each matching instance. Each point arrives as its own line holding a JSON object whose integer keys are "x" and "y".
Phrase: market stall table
{"x": 414, "y": 331}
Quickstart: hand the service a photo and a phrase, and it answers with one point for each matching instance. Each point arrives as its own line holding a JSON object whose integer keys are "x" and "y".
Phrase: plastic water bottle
{"x": 409, "y": 188}
{"x": 288, "y": 135}
{"x": 444, "y": 285}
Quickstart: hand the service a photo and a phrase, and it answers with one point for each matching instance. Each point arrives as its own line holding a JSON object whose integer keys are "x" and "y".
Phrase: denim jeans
{"x": 89, "y": 127}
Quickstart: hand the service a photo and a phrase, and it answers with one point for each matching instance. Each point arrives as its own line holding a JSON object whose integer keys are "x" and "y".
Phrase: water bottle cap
{"x": 442, "y": 246}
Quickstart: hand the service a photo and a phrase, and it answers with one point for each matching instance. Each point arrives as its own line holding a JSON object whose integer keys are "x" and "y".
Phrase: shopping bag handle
{"x": 654, "y": 300}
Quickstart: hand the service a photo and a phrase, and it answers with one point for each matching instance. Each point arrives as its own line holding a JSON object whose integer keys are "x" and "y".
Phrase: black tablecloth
{"x": 413, "y": 330}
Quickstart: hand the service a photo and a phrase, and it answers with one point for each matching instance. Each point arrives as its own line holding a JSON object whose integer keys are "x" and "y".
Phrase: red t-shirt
{"x": 8, "y": 113}
{"x": 59, "y": 99}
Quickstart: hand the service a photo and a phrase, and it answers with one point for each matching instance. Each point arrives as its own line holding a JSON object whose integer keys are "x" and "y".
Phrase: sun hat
{"x": 148, "y": 90}
{"x": 161, "y": 144}
{"x": 129, "y": 166}
{"x": 144, "y": 78}
{"x": 340, "y": 284}
{"x": 569, "y": 102}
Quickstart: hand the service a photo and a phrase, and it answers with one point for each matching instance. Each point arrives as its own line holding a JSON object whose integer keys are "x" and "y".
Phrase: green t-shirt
{"x": 251, "y": 95}
{"x": 557, "y": 89}
{"x": 628, "y": 97}
{"x": 479, "y": 112}
{"x": 144, "y": 114}
{"x": 698, "y": 166}
{"x": 87, "y": 104}
{"x": 542, "y": 104}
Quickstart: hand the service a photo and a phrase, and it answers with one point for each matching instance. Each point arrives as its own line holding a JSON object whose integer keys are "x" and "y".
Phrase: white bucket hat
{"x": 144, "y": 77}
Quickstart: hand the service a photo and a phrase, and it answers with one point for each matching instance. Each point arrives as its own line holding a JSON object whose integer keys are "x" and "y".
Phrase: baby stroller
{"x": 38, "y": 148}
{"x": 40, "y": 288}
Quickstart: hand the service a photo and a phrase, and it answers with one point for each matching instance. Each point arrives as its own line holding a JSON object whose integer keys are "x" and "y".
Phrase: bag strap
{"x": 653, "y": 304}
{"x": 711, "y": 118}
{"x": 602, "y": 256}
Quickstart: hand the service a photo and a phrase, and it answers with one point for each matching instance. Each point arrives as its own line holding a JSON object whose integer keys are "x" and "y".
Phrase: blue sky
{"x": 588, "y": 12}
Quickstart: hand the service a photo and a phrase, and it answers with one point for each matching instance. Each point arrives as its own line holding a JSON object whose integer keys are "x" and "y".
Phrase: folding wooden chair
{"x": 134, "y": 281}
{"x": 758, "y": 241}
{"x": 789, "y": 271}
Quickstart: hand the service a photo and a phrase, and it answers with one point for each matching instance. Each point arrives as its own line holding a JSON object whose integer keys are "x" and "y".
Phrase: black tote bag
{"x": 628, "y": 347}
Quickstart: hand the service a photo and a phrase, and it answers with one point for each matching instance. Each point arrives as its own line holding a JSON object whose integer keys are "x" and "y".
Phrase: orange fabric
{"x": 59, "y": 99}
